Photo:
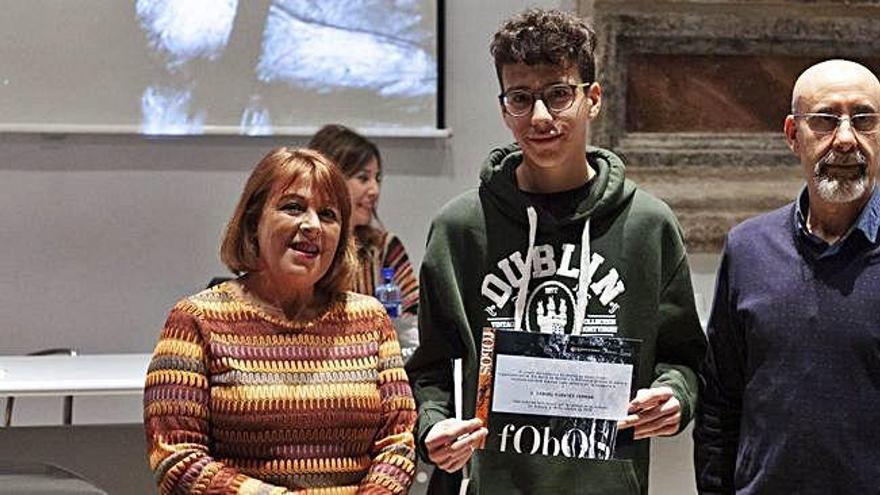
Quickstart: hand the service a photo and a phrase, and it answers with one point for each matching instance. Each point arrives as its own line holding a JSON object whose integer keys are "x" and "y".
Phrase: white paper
{"x": 561, "y": 387}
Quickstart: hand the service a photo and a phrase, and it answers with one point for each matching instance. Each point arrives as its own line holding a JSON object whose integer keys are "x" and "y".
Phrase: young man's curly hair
{"x": 548, "y": 37}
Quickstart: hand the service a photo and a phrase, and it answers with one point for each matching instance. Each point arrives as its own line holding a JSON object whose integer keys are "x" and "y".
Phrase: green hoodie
{"x": 632, "y": 280}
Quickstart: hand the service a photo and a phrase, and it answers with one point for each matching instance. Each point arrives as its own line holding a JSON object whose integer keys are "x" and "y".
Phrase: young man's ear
{"x": 594, "y": 94}
{"x": 790, "y": 130}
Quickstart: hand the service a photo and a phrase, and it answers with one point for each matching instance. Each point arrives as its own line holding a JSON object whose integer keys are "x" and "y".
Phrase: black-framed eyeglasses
{"x": 826, "y": 123}
{"x": 557, "y": 97}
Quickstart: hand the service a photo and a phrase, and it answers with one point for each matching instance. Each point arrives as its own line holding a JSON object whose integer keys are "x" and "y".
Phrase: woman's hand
{"x": 452, "y": 442}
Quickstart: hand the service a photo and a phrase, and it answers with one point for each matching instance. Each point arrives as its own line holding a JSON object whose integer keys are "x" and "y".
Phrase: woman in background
{"x": 360, "y": 161}
{"x": 377, "y": 248}
{"x": 280, "y": 380}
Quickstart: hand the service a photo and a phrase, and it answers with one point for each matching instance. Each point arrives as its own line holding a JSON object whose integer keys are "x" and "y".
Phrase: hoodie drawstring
{"x": 520, "y": 307}
{"x": 584, "y": 279}
{"x": 584, "y": 276}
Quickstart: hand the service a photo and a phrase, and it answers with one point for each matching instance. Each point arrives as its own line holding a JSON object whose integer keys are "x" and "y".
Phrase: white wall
{"x": 100, "y": 235}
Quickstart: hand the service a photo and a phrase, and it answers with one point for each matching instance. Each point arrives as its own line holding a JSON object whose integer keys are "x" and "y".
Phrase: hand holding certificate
{"x": 653, "y": 412}
{"x": 452, "y": 442}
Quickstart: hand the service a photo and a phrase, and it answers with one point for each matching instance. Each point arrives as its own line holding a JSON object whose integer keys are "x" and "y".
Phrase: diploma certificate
{"x": 554, "y": 394}
{"x": 559, "y": 387}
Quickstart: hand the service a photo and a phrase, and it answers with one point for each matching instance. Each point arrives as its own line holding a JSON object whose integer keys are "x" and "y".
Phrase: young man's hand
{"x": 452, "y": 442}
{"x": 654, "y": 412}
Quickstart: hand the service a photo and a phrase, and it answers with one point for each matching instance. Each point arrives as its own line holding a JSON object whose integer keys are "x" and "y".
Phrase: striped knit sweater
{"x": 387, "y": 251}
{"x": 238, "y": 401}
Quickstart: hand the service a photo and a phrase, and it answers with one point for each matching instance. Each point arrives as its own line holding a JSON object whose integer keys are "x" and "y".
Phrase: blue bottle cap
{"x": 387, "y": 273}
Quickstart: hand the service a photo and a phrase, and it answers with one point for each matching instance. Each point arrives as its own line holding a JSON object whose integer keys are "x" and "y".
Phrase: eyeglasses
{"x": 557, "y": 97}
{"x": 826, "y": 123}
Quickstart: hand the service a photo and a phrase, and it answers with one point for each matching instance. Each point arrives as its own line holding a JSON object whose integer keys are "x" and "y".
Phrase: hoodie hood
{"x": 609, "y": 190}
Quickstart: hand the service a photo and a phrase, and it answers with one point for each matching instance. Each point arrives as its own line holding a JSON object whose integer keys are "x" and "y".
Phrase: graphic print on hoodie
{"x": 570, "y": 289}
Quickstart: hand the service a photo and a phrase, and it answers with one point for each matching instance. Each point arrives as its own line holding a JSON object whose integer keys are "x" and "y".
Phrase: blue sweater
{"x": 790, "y": 392}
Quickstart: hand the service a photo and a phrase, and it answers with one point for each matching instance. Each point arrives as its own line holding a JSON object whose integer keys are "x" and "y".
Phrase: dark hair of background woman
{"x": 350, "y": 152}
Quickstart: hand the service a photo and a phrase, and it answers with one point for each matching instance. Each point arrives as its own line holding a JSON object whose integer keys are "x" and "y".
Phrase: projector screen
{"x": 220, "y": 66}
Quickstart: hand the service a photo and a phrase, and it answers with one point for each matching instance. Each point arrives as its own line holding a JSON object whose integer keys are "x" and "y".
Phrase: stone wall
{"x": 695, "y": 93}
{"x": 709, "y": 200}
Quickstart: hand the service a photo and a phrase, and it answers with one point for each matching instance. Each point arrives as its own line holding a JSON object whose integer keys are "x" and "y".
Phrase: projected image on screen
{"x": 311, "y": 60}
{"x": 219, "y": 66}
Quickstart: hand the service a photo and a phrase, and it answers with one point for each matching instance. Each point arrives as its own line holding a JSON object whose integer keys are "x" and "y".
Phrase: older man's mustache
{"x": 833, "y": 159}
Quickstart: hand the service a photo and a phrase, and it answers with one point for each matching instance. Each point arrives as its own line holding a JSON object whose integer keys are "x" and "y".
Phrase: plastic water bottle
{"x": 388, "y": 293}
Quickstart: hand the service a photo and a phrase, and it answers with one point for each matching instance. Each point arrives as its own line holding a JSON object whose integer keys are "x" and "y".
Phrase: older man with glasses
{"x": 555, "y": 240}
{"x": 792, "y": 376}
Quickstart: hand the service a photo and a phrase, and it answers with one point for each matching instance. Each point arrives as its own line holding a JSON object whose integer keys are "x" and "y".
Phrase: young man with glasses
{"x": 555, "y": 240}
{"x": 792, "y": 375}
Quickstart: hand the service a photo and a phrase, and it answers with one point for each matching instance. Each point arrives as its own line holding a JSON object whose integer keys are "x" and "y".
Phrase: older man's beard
{"x": 836, "y": 189}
